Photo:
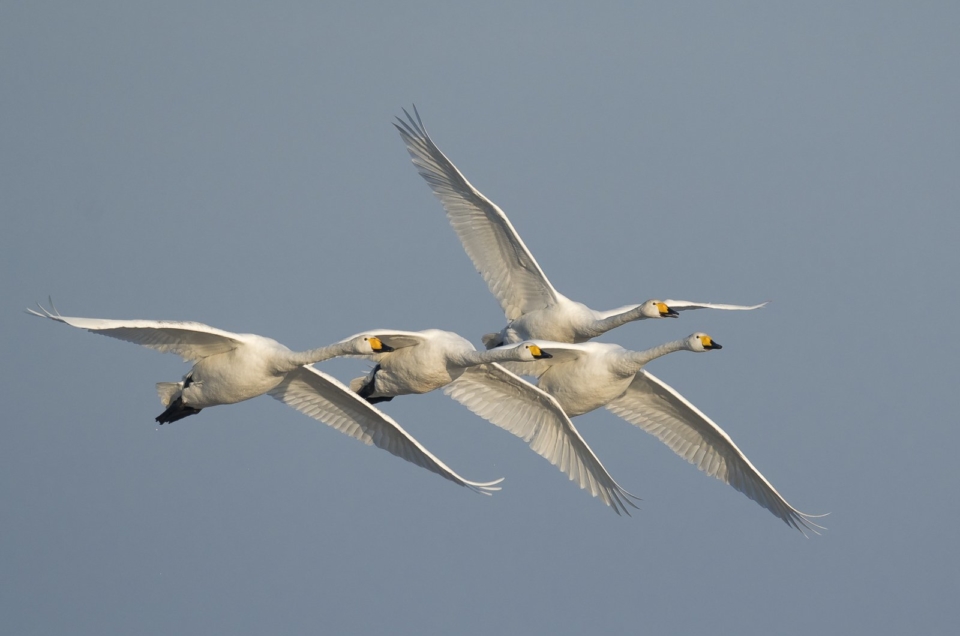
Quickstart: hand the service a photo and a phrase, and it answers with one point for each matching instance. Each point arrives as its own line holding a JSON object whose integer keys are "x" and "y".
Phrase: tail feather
{"x": 168, "y": 391}
{"x": 491, "y": 340}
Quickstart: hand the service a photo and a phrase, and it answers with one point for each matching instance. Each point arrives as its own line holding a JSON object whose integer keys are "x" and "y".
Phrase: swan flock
{"x": 533, "y": 375}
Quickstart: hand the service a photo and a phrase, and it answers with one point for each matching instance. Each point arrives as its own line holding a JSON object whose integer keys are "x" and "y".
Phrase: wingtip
{"x": 484, "y": 488}
{"x": 44, "y": 312}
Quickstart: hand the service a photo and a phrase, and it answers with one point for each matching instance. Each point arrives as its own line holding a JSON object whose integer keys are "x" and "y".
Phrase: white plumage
{"x": 231, "y": 367}
{"x": 586, "y": 376}
{"x": 427, "y": 360}
{"x": 533, "y": 307}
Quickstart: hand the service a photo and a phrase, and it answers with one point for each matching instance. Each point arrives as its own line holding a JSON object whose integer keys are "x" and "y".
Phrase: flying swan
{"x": 533, "y": 308}
{"x": 233, "y": 367}
{"x": 421, "y": 361}
{"x": 583, "y": 377}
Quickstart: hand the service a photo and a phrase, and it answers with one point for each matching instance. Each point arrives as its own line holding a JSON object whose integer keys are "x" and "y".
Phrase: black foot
{"x": 367, "y": 389}
{"x": 176, "y": 411}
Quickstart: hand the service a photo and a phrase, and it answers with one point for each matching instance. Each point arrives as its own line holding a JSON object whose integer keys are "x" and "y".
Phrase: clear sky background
{"x": 237, "y": 166}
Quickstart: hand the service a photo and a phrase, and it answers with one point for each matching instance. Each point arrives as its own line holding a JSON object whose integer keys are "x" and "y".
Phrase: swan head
{"x": 529, "y": 352}
{"x": 371, "y": 344}
{"x": 657, "y": 309}
{"x": 700, "y": 342}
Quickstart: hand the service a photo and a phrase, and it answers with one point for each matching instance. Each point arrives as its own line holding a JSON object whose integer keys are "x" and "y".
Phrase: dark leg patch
{"x": 369, "y": 388}
{"x": 176, "y": 411}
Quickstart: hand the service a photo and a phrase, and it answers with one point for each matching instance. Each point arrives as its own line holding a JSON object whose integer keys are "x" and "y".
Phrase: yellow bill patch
{"x": 663, "y": 309}
{"x": 706, "y": 340}
{"x": 375, "y": 344}
{"x": 535, "y": 350}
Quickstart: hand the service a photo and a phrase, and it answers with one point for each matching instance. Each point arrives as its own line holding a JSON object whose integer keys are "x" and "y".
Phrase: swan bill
{"x": 709, "y": 343}
{"x": 378, "y": 347}
{"x": 667, "y": 312}
{"x": 538, "y": 353}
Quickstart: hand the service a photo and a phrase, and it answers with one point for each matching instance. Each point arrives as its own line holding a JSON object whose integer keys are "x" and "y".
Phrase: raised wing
{"x": 325, "y": 399}
{"x": 191, "y": 341}
{"x": 497, "y": 251}
{"x": 685, "y": 305}
{"x": 658, "y": 409}
{"x": 534, "y": 416}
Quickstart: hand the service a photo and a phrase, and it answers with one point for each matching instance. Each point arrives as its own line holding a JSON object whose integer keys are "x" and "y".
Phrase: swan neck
{"x": 474, "y": 358}
{"x": 603, "y": 325}
{"x": 635, "y": 360}
{"x": 300, "y": 358}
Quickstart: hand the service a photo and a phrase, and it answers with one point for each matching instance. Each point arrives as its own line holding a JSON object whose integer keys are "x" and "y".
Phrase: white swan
{"x": 583, "y": 377}
{"x": 422, "y": 361}
{"x": 232, "y": 367}
{"x": 533, "y": 308}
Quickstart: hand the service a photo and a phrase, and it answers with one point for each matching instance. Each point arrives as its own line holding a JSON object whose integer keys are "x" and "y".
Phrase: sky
{"x": 235, "y": 164}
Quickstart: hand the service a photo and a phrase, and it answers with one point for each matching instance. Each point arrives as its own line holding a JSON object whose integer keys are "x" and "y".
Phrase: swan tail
{"x": 168, "y": 391}
{"x": 491, "y": 340}
{"x": 176, "y": 411}
{"x": 365, "y": 387}
{"x": 356, "y": 384}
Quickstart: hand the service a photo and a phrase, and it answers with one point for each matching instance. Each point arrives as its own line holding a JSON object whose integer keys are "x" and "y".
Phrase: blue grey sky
{"x": 236, "y": 165}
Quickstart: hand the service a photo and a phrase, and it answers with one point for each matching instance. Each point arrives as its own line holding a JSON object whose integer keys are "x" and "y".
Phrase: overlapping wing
{"x": 685, "y": 305}
{"x": 534, "y": 416}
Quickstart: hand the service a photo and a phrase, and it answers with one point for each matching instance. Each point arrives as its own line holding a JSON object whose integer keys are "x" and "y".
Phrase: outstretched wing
{"x": 391, "y": 337}
{"x": 534, "y": 416}
{"x": 325, "y": 399}
{"x": 497, "y": 251}
{"x": 560, "y": 352}
{"x": 680, "y": 305}
{"x": 685, "y": 305}
{"x": 658, "y": 409}
{"x": 191, "y": 341}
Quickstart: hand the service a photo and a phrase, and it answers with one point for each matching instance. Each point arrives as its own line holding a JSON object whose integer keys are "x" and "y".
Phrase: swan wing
{"x": 658, "y": 409}
{"x": 191, "y": 341}
{"x": 325, "y": 399}
{"x": 560, "y": 352}
{"x": 684, "y": 305}
{"x": 508, "y": 401}
{"x": 680, "y": 305}
{"x": 491, "y": 242}
{"x": 390, "y": 337}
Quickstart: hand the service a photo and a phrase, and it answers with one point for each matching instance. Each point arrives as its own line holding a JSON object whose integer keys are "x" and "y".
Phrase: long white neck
{"x": 295, "y": 359}
{"x": 603, "y": 325}
{"x": 473, "y": 358}
{"x": 632, "y": 361}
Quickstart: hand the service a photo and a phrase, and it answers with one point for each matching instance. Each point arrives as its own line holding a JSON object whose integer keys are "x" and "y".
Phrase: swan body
{"x": 424, "y": 361}
{"x": 569, "y": 321}
{"x": 587, "y": 376}
{"x": 231, "y": 367}
{"x": 435, "y": 360}
{"x": 533, "y": 308}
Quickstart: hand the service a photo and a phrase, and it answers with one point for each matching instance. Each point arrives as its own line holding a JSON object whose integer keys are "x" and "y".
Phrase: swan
{"x": 534, "y": 309}
{"x": 586, "y": 376}
{"x": 233, "y": 367}
{"x": 415, "y": 362}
